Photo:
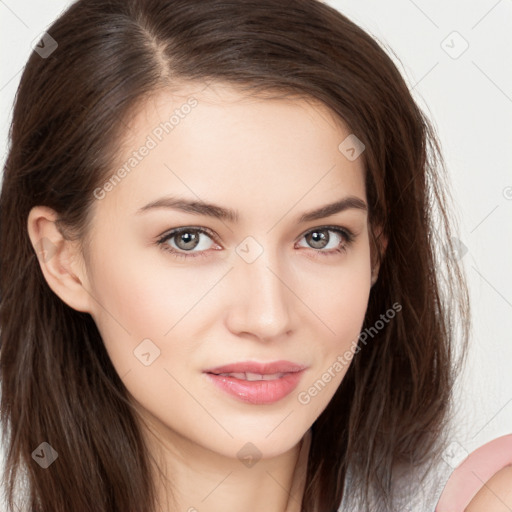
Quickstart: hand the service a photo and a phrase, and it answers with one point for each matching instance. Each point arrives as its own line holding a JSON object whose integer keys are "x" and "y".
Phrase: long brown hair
{"x": 58, "y": 384}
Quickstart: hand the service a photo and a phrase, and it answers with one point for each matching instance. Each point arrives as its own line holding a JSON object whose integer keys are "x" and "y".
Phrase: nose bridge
{"x": 262, "y": 304}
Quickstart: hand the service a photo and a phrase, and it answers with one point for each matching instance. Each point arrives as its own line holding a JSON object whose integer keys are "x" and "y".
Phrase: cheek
{"x": 141, "y": 296}
{"x": 342, "y": 311}
{"x": 138, "y": 299}
{"x": 179, "y": 307}
{"x": 340, "y": 298}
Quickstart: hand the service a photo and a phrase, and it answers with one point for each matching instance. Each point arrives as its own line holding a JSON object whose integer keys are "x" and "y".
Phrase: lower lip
{"x": 258, "y": 391}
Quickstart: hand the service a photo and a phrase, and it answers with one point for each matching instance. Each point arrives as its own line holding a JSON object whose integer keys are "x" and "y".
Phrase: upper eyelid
{"x": 175, "y": 231}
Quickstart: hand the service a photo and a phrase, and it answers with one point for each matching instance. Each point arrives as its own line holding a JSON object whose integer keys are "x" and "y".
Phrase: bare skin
{"x": 495, "y": 495}
{"x": 271, "y": 161}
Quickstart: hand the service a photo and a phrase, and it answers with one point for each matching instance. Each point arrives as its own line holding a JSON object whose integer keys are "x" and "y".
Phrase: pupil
{"x": 318, "y": 238}
{"x": 188, "y": 238}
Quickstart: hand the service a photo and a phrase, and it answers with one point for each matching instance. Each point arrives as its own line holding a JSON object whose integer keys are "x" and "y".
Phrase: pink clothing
{"x": 476, "y": 469}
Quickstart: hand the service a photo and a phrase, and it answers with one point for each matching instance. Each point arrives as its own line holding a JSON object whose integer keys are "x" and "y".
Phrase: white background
{"x": 469, "y": 99}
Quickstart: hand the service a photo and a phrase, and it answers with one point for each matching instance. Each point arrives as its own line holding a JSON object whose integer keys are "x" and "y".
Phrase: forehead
{"x": 221, "y": 145}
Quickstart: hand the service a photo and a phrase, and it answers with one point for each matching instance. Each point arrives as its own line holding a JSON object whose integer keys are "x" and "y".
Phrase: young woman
{"x": 227, "y": 279}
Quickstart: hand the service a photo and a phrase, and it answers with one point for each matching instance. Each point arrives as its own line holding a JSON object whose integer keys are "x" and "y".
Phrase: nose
{"x": 262, "y": 301}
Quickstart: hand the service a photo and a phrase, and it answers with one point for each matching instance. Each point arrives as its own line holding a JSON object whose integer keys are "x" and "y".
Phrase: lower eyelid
{"x": 346, "y": 236}
{"x": 173, "y": 234}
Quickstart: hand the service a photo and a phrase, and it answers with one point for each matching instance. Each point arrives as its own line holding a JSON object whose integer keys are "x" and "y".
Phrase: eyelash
{"x": 345, "y": 234}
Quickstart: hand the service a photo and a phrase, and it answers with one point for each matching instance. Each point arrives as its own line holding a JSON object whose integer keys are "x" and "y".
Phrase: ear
{"x": 60, "y": 259}
{"x": 378, "y": 245}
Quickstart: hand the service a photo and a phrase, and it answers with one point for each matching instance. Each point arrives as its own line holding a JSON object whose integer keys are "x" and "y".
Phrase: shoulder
{"x": 495, "y": 495}
{"x": 482, "y": 482}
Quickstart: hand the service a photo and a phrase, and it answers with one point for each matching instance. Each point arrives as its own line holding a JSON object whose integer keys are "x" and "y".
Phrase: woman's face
{"x": 249, "y": 280}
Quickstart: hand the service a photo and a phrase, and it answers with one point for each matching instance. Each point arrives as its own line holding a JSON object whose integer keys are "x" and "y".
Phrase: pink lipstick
{"x": 257, "y": 383}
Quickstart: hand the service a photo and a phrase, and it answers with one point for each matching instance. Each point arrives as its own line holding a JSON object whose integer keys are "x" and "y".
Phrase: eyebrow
{"x": 227, "y": 214}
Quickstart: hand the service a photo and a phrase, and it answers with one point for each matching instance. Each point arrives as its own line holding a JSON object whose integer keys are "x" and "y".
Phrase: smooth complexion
{"x": 270, "y": 161}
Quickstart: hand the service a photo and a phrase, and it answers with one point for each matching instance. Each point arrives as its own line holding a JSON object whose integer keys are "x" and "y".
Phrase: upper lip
{"x": 259, "y": 368}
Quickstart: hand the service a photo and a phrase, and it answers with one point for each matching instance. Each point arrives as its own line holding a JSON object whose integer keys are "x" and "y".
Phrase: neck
{"x": 192, "y": 478}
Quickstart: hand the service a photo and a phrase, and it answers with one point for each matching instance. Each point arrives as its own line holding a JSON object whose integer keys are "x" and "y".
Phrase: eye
{"x": 324, "y": 244}
{"x": 182, "y": 241}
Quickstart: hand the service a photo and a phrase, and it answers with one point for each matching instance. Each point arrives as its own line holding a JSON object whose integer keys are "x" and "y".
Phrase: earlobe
{"x": 59, "y": 258}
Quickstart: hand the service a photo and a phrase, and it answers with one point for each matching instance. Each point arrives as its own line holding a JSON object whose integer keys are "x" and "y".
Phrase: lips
{"x": 252, "y": 367}
{"x": 252, "y": 376}
{"x": 257, "y": 383}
